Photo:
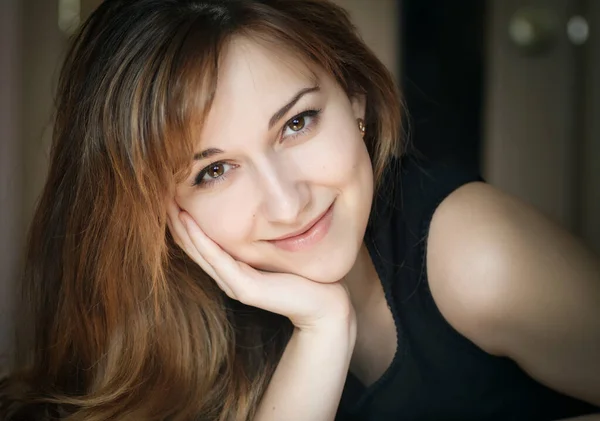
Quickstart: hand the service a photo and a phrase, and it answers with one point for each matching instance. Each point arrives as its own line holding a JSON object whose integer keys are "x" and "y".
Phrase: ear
{"x": 359, "y": 104}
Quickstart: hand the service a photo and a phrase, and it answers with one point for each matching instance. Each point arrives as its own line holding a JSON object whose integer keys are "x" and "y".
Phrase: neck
{"x": 363, "y": 282}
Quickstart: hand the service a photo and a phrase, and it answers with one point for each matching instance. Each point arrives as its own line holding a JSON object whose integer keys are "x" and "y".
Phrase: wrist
{"x": 333, "y": 330}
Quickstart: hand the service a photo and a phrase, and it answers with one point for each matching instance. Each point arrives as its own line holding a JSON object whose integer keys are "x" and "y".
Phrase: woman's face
{"x": 279, "y": 150}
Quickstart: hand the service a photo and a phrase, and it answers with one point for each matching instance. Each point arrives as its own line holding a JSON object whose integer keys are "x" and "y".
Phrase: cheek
{"x": 338, "y": 157}
{"x": 220, "y": 219}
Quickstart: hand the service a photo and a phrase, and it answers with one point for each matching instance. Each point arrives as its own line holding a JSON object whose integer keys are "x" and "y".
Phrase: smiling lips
{"x": 309, "y": 236}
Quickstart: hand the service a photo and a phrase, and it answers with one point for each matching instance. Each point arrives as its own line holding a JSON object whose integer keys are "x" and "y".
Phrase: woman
{"x": 207, "y": 246}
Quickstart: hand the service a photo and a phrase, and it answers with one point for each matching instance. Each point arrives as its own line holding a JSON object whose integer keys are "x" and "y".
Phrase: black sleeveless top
{"x": 436, "y": 374}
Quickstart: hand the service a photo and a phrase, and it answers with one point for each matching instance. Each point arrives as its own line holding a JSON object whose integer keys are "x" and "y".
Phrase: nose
{"x": 285, "y": 194}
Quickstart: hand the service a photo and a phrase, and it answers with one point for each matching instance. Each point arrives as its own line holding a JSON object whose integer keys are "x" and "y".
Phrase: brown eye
{"x": 300, "y": 124}
{"x": 297, "y": 123}
{"x": 215, "y": 170}
{"x": 214, "y": 173}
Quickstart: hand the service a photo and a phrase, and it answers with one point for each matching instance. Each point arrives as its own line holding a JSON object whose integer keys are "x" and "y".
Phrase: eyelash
{"x": 312, "y": 113}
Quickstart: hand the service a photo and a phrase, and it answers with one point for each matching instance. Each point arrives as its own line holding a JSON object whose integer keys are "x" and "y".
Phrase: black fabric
{"x": 436, "y": 374}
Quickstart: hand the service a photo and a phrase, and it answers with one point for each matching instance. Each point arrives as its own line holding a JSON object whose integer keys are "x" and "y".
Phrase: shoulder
{"x": 473, "y": 236}
{"x": 486, "y": 253}
{"x": 516, "y": 284}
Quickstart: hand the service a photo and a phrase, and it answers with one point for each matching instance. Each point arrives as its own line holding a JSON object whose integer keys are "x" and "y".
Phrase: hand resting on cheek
{"x": 306, "y": 303}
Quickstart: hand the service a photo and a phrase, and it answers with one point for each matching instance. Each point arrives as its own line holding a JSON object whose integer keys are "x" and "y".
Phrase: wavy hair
{"x": 117, "y": 323}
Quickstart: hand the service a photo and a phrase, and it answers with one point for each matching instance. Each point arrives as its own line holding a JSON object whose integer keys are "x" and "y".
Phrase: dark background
{"x": 442, "y": 64}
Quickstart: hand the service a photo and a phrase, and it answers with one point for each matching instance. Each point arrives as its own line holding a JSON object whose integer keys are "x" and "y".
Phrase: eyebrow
{"x": 207, "y": 153}
{"x": 284, "y": 110}
{"x": 279, "y": 114}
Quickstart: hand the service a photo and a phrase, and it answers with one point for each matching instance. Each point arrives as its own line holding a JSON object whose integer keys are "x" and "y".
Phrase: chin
{"x": 326, "y": 266}
{"x": 332, "y": 267}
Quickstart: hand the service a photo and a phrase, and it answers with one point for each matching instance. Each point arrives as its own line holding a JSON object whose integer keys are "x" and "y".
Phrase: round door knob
{"x": 534, "y": 30}
{"x": 578, "y": 30}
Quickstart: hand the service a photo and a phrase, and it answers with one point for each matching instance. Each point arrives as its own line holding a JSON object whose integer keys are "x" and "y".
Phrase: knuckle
{"x": 229, "y": 293}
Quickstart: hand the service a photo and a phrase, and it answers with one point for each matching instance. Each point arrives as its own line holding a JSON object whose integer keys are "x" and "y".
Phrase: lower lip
{"x": 308, "y": 238}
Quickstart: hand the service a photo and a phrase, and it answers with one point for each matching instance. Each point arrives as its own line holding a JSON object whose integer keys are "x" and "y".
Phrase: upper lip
{"x": 304, "y": 229}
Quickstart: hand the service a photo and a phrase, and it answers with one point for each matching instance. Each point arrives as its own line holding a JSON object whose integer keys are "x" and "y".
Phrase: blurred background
{"x": 511, "y": 87}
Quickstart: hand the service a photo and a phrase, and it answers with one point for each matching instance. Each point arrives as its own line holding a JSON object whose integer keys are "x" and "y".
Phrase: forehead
{"x": 254, "y": 81}
{"x": 250, "y": 67}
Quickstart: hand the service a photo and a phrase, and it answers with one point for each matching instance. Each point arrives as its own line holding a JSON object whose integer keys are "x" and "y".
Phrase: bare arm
{"x": 308, "y": 382}
{"x": 519, "y": 286}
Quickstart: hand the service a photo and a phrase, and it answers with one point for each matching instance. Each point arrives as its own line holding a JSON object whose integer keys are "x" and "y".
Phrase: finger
{"x": 181, "y": 237}
{"x": 179, "y": 232}
{"x": 226, "y": 268}
{"x": 172, "y": 230}
{"x": 277, "y": 293}
{"x": 173, "y": 234}
{"x": 188, "y": 247}
{"x": 185, "y": 242}
{"x": 214, "y": 255}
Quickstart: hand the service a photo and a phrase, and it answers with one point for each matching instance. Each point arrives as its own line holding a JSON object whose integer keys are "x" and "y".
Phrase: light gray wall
{"x": 542, "y": 134}
{"x": 43, "y": 48}
{"x": 31, "y": 46}
{"x": 377, "y": 21}
{"x": 529, "y": 115}
{"x": 591, "y": 131}
{"x": 10, "y": 158}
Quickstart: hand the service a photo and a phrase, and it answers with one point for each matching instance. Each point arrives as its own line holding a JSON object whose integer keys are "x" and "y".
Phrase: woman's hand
{"x": 309, "y": 378}
{"x": 306, "y": 303}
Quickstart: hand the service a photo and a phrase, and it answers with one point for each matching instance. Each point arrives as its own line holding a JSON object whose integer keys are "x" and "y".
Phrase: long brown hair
{"x": 117, "y": 322}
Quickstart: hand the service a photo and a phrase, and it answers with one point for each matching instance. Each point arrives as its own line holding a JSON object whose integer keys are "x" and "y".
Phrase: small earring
{"x": 361, "y": 125}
